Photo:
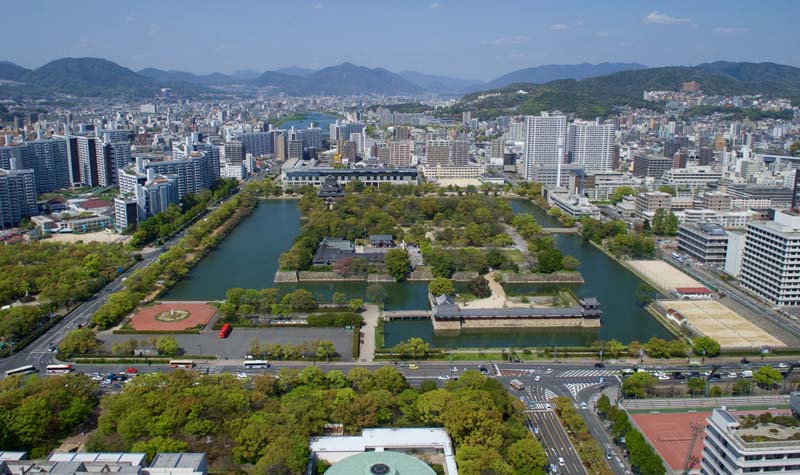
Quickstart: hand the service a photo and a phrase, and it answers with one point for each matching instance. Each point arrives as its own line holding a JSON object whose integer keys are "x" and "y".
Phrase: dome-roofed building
{"x": 380, "y": 463}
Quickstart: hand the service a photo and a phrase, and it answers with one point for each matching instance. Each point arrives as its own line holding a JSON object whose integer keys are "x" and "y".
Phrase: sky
{"x": 474, "y": 39}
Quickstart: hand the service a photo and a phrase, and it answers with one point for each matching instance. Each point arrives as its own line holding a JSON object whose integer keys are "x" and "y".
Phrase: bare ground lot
{"x": 719, "y": 322}
{"x": 664, "y": 276}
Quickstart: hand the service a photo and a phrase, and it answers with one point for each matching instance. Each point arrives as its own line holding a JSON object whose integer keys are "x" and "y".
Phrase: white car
{"x": 583, "y": 405}
{"x": 537, "y": 378}
{"x": 548, "y": 406}
{"x": 242, "y": 376}
{"x": 454, "y": 370}
{"x": 663, "y": 377}
{"x": 549, "y": 370}
{"x": 783, "y": 365}
{"x": 444, "y": 377}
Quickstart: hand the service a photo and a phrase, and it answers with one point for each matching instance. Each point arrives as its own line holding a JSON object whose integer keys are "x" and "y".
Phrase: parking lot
{"x": 237, "y": 344}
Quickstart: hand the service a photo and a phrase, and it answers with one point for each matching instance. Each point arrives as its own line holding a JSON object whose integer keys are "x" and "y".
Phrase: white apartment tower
{"x": 771, "y": 259}
{"x": 545, "y": 136}
{"x": 591, "y": 145}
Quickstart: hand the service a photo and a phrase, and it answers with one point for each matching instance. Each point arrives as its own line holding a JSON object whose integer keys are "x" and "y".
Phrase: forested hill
{"x": 598, "y": 96}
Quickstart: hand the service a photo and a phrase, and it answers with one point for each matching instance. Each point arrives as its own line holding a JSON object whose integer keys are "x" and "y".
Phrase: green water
{"x": 248, "y": 258}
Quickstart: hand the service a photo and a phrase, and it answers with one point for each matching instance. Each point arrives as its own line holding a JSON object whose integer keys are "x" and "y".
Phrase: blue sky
{"x": 478, "y": 39}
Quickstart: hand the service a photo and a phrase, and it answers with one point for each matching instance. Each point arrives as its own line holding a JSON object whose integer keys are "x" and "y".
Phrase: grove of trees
{"x": 269, "y": 424}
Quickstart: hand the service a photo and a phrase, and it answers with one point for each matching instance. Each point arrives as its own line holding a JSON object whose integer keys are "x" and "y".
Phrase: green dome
{"x": 380, "y": 463}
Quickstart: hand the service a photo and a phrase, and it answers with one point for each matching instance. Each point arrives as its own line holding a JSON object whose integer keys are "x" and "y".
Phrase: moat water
{"x": 248, "y": 258}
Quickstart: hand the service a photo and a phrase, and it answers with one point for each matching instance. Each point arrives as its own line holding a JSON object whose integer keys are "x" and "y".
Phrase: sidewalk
{"x": 367, "y": 348}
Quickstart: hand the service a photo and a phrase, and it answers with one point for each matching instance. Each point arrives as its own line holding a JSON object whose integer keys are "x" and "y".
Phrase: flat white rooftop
{"x": 391, "y": 439}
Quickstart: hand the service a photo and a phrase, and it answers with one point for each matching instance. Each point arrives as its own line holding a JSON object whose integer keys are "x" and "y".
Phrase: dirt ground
{"x": 719, "y": 322}
{"x": 663, "y": 275}
{"x": 100, "y": 236}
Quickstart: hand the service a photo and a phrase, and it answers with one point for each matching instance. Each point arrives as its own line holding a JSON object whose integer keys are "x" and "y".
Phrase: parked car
{"x": 599, "y": 365}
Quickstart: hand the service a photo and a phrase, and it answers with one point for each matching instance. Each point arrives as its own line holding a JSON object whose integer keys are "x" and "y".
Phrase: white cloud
{"x": 625, "y": 44}
{"x": 658, "y": 18}
{"x": 513, "y": 40}
{"x": 559, "y": 27}
{"x": 317, "y": 7}
{"x": 436, "y": 5}
{"x": 579, "y": 23}
{"x": 601, "y": 34}
{"x": 731, "y": 30}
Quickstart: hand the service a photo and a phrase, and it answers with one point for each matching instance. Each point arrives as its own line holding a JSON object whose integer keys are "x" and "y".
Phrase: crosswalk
{"x": 586, "y": 373}
{"x": 575, "y": 388}
{"x": 537, "y": 398}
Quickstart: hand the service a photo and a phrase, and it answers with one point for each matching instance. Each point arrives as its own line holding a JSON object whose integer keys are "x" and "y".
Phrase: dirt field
{"x": 664, "y": 276}
{"x": 713, "y": 319}
{"x": 100, "y": 236}
{"x": 671, "y": 434}
{"x": 198, "y": 314}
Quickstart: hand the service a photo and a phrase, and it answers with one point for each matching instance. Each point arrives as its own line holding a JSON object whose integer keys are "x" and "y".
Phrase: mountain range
{"x": 598, "y": 96}
{"x": 586, "y": 89}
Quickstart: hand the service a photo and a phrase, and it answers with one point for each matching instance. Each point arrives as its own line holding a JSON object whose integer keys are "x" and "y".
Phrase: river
{"x": 248, "y": 258}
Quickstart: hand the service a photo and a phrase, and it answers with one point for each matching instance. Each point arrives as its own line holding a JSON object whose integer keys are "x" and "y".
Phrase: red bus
{"x": 225, "y": 330}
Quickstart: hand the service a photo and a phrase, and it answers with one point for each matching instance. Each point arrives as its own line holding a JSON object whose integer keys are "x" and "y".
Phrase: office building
{"x": 315, "y": 176}
{"x": 648, "y": 165}
{"x": 652, "y": 201}
{"x": 745, "y": 195}
{"x": 731, "y": 448}
{"x": 716, "y": 200}
{"x": 400, "y": 154}
{"x": 771, "y": 259}
{"x": 692, "y": 178}
{"x": 50, "y": 164}
{"x": 17, "y": 196}
{"x": 591, "y": 146}
{"x": 733, "y": 257}
{"x": 545, "y": 142}
{"x": 705, "y": 242}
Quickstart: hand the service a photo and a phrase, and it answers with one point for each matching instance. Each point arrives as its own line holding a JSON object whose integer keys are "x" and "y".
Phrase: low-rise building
{"x": 704, "y": 242}
{"x": 652, "y": 201}
{"x": 299, "y": 176}
{"x": 574, "y": 205}
{"x": 731, "y": 449}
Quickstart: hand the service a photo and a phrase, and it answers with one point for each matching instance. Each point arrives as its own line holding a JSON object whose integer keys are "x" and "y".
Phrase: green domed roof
{"x": 380, "y": 463}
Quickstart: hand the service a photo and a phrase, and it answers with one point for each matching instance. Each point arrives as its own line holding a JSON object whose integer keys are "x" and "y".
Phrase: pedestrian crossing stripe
{"x": 575, "y": 388}
{"x": 586, "y": 373}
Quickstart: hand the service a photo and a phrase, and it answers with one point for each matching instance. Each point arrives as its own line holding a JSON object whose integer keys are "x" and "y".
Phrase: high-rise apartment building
{"x": 257, "y": 143}
{"x": 88, "y": 163}
{"x": 17, "y": 196}
{"x": 771, "y": 259}
{"x": 497, "y": 148}
{"x": 295, "y": 149}
{"x": 400, "y": 154}
{"x": 545, "y": 142}
{"x": 233, "y": 151}
{"x": 437, "y": 153}
{"x": 459, "y": 153}
{"x": 111, "y": 156}
{"x": 49, "y": 161}
{"x": 591, "y": 145}
{"x": 192, "y": 174}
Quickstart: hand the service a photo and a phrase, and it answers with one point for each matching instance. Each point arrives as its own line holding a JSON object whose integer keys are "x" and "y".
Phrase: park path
{"x": 520, "y": 244}
{"x": 367, "y": 348}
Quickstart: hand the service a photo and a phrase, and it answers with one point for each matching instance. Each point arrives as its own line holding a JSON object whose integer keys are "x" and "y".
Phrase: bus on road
{"x": 256, "y": 364}
{"x": 517, "y": 384}
{"x": 58, "y": 369}
{"x": 27, "y": 369}
{"x": 182, "y": 363}
{"x": 225, "y": 330}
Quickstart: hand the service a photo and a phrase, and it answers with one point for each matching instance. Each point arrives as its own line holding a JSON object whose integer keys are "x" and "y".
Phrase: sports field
{"x": 172, "y": 316}
{"x": 719, "y": 322}
{"x": 662, "y": 275}
{"x": 671, "y": 434}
